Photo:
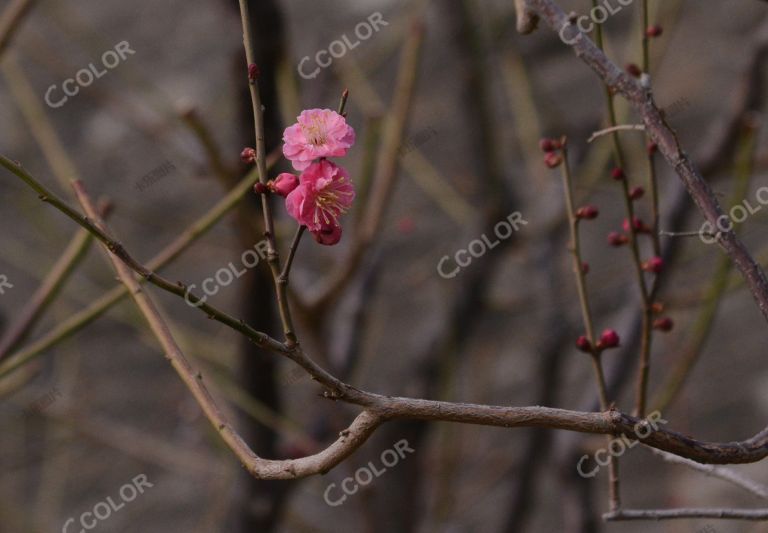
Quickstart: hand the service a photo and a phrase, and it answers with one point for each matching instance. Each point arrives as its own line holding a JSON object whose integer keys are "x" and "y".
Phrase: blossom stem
{"x": 273, "y": 257}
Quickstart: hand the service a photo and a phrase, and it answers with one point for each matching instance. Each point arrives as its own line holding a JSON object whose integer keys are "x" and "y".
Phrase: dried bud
{"x": 654, "y": 264}
{"x": 654, "y": 31}
{"x": 609, "y": 339}
{"x": 636, "y": 193}
{"x": 663, "y": 324}
{"x": 652, "y": 148}
{"x": 617, "y": 239}
{"x": 253, "y": 72}
{"x": 553, "y": 159}
{"x": 588, "y": 212}
{"x": 284, "y": 184}
{"x": 583, "y": 344}
{"x": 585, "y": 268}
{"x": 260, "y": 188}
{"x": 634, "y": 70}
{"x": 657, "y": 308}
{"x": 248, "y": 156}
{"x": 618, "y": 174}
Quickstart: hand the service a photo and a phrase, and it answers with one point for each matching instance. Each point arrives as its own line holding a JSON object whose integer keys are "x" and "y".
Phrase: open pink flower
{"x": 324, "y": 193}
{"x": 318, "y": 133}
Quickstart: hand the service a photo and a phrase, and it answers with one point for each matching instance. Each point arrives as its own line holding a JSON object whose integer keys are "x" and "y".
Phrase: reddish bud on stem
{"x": 654, "y": 264}
{"x": 618, "y": 174}
{"x": 617, "y": 239}
{"x": 654, "y": 31}
{"x": 248, "y": 155}
{"x": 553, "y": 159}
{"x": 636, "y": 193}
{"x": 583, "y": 344}
{"x": 260, "y": 188}
{"x": 253, "y": 72}
{"x": 588, "y": 212}
{"x": 609, "y": 339}
{"x": 663, "y": 324}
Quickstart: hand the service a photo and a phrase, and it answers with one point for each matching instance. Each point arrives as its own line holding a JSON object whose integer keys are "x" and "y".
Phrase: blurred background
{"x": 449, "y": 104}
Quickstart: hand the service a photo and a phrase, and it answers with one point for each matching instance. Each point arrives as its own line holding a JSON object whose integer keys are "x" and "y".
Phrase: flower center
{"x": 331, "y": 203}
{"x": 315, "y": 132}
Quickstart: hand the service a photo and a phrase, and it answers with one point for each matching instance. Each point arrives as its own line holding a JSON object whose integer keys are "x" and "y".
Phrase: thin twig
{"x": 613, "y": 129}
{"x": 166, "y": 256}
{"x": 726, "y": 474}
{"x": 10, "y": 20}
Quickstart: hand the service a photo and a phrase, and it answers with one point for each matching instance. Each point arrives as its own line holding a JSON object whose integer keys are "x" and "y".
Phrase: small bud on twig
{"x": 583, "y": 344}
{"x": 617, "y": 239}
{"x": 654, "y": 264}
{"x": 253, "y": 72}
{"x": 618, "y": 174}
{"x": 636, "y": 193}
{"x": 553, "y": 159}
{"x": 663, "y": 324}
{"x": 248, "y": 155}
{"x": 609, "y": 339}
{"x": 588, "y": 212}
{"x": 654, "y": 31}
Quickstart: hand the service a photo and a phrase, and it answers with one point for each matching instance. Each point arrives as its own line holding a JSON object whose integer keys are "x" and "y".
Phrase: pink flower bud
{"x": 654, "y": 264}
{"x": 609, "y": 339}
{"x": 663, "y": 324}
{"x": 553, "y": 159}
{"x": 654, "y": 31}
{"x": 253, "y": 72}
{"x": 636, "y": 193}
{"x": 328, "y": 235}
{"x": 284, "y": 184}
{"x": 588, "y": 212}
{"x": 248, "y": 155}
{"x": 638, "y": 225}
{"x": 618, "y": 174}
{"x": 548, "y": 145}
{"x": 583, "y": 344}
{"x": 617, "y": 239}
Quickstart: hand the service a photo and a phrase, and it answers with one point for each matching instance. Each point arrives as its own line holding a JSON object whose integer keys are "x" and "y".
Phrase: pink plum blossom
{"x": 318, "y": 133}
{"x": 325, "y": 192}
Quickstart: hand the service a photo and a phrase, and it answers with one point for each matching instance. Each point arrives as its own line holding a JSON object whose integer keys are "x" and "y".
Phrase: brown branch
{"x": 380, "y": 408}
{"x": 10, "y": 21}
{"x": 672, "y": 514}
{"x": 348, "y": 441}
{"x": 660, "y": 132}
